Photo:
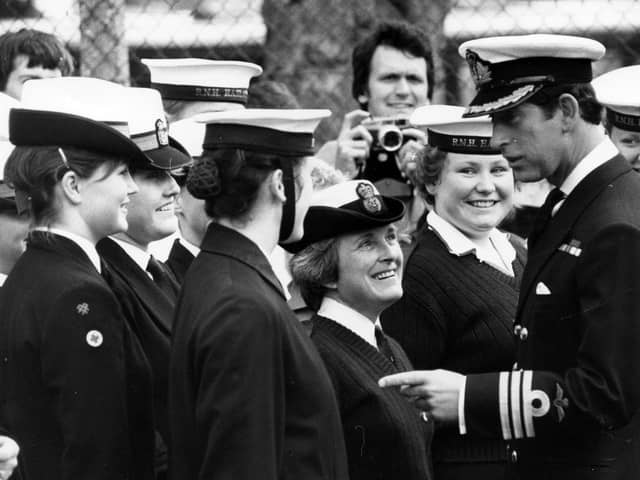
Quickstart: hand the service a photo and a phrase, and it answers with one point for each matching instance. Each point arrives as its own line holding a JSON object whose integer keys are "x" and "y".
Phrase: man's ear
{"x": 570, "y": 110}
{"x": 276, "y": 185}
{"x": 70, "y": 184}
{"x": 431, "y": 188}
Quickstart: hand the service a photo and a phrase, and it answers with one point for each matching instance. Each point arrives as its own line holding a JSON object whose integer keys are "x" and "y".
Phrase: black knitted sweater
{"x": 457, "y": 313}
{"x": 385, "y": 436}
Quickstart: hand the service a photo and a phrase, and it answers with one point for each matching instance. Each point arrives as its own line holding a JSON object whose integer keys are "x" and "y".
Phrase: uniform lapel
{"x": 225, "y": 241}
{"x": 561, "y": 224}
{"x": 148, "y": 293}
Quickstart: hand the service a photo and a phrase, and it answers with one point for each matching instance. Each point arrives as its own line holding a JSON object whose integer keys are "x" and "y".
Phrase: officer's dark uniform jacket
{"x": 249, "y": 394}
{"x": 149, "y": 311}
{"x": 76, "y": 385}
{"x": 179, "y": 260}
{"x": 569, "y": 407}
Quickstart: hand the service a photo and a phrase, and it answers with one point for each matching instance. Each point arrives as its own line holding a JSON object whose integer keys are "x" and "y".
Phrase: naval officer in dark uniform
{"x": 569, "y": 407}
{"x": 145, "y": 288}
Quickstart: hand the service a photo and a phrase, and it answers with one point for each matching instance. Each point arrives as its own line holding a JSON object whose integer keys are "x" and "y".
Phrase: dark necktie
{"x": 162, "y": 279}
{"x": 544, "y": 215}
{"x": 383, "y": 345}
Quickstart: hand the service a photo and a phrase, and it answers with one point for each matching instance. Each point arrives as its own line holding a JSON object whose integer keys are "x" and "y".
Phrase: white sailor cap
{"x": 148, "y": 130}
{"x": 202, "y": 80}
{"x": 448, "y": 130}
{"x": 508, "y": 70}
{"x": 287, "y": 132}
{"x": 190, "y": 134}
{"x": 81, "y": 112}
{"x": 618, "y": 91}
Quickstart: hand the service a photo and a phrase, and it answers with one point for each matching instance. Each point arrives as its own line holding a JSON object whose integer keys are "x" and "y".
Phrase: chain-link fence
{"x": 307, "y": 43}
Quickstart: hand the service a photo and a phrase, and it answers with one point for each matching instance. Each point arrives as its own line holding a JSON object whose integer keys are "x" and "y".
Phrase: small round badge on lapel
{"x": 94, "y": 338}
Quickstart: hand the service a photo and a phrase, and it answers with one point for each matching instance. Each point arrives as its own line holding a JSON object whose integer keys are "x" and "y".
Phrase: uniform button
{"x": 517, "y": 329}
{"x": 515, "y": 366}
{"x": 524, "y": 334}
{"x": 514, "y": 456}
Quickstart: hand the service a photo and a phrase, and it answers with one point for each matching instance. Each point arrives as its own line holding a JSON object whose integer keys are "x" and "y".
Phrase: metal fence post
{"x": 103, "y": 48}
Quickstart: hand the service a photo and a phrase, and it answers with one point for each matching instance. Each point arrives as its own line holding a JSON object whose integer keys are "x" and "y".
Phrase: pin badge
{"x": 82, "y": 308}
{"x": 94, "y": 338}
{"x": 370, "y": 200}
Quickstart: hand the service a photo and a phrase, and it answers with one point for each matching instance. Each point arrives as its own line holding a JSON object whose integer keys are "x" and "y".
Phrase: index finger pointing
{"x": 416, "y": 377}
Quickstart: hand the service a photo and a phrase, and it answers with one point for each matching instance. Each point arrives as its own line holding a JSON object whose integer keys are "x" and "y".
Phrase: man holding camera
{"x": 392, "y": 76}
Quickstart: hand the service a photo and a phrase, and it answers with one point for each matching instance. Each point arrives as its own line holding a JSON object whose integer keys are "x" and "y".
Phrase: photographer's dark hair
{"x": 399, "y": 35}
{"x": 590, "y": 108}
{"x": 229, "y": 179}
{"x": 35, "y": 171}
{"x": 42, "y": 49}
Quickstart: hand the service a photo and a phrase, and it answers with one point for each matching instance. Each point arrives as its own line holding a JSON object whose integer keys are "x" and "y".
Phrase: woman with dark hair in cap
{"x": 146, "y": 289}
{"x": 349, "y": 269}
{"x": 249, "y": 394}
{"x": 462, "y": 279}
{"x": 76, "y": 386}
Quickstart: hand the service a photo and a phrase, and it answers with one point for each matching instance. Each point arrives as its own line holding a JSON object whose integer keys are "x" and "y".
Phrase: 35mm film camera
{"x": 381, "y": 167}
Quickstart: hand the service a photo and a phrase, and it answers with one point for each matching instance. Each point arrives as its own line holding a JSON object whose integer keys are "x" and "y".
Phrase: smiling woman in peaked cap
{"x": 77, "y": 390}
{"x": 349, "y": 268}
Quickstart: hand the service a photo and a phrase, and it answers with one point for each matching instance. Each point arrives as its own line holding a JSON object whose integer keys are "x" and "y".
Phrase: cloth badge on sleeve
{"x": 572, "y": 248}
{"x": 82, "y": 308}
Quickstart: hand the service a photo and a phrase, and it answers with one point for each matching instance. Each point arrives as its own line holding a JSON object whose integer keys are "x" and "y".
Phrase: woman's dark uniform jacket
{"x": 75, "y": 382}
{"x": 249, "y": 394}
{"x": 179, "y": 260}
{"x": 570, "y": 409}
{"x": 149, "y": 311}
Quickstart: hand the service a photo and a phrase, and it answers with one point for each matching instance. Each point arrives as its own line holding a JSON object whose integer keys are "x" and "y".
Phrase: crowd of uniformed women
{"x": 115, "y": 365}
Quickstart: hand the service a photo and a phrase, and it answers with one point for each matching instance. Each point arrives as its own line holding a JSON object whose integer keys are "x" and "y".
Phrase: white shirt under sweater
{"x": 350, "y": 319}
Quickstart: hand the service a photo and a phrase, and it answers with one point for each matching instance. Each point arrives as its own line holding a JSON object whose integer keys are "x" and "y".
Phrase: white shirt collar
{"x": 459, "y": 244}
{"x": 85, "y": 244}
{"x": 278, "y": 261}
{"x": 139, "y": 256}
{"x": 3, "y": 277}
{"x": 193, "y": 249}
{"x": 350, "y": 319}
{"x": 604, "y": 151}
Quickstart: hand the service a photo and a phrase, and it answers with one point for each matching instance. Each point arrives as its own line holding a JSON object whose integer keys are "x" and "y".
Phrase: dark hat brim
{"x": 322, "y": 223}
{"x": 45, "y": 128}
{"x": 169, "y": 157}
{"x": 7, "y": 203}
{"x": 493, "y": 100}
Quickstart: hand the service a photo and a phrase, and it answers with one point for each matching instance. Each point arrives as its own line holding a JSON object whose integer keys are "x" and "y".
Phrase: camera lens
{"x": 390, "y": 138}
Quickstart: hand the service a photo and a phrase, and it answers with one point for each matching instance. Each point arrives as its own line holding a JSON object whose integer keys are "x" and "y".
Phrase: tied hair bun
{"x": 203, "y": 180}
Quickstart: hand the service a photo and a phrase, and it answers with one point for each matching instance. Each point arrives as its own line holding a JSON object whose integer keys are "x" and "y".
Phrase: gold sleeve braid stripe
{"x": 519, "y": 403}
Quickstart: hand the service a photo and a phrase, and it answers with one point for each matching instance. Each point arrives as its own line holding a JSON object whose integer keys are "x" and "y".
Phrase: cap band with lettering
{"x": 202, "y": 94}
{"x": 260, "y": 139}
{"x": 474, "y": 145}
